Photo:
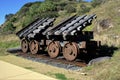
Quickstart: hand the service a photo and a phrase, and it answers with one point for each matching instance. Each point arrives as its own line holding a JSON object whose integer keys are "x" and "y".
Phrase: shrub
{"x": 49, "y": 14}
{"x": 9, "y": 28}
{"x": 70, "y": 9}
{"x": 97, "y": 2}
{"x": 8, "y": 16}
{"x": 84, "y": 9}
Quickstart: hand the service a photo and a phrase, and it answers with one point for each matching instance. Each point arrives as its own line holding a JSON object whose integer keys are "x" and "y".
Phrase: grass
{"x": 10, "y": 41}
{"x": 9, "y": 44}
{"x": 109, "y": 10}
{"x": 60, "y": 76}
{"x": 102, "y": 71}
{"x": 28, "y": 68}
{"x": 108, "y": 70}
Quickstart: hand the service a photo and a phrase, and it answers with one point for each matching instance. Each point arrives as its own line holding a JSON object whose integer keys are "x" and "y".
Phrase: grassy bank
{"x": 11, "y": 41}
{"x": 108, "y": 70}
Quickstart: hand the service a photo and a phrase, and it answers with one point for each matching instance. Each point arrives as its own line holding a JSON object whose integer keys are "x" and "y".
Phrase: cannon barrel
{"x": 81, "y": 25}
{"x": 55, "y": 28}
{"x": 69, "y": 25}
{"x": 33, "y": 28}
{"x": 29, "y": 26}
{"x": 41, "y": 28}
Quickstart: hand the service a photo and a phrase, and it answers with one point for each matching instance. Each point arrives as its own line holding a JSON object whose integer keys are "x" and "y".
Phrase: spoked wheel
{"x": 24, "y": 45}
{"x": 70, "y": 51}
{"x": 34, "y": 47}
{"x": 54, "y": 49}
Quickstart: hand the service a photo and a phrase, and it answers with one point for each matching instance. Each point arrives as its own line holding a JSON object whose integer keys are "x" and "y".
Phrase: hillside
{"x": 107, "y": 23}
{"x": 106, "y": 28}
{"x": 60, "y": 9}
{"x": 107, "y": 12}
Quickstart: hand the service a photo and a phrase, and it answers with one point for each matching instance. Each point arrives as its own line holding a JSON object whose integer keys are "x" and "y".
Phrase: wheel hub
{"x": 34, "y": 47}
{"x": 54, "y": 49}
{"x": 70, "y": 51}
{"x": 24, "y": 45}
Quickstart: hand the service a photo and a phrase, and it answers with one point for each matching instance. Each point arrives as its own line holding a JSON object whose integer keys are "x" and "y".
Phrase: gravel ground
{"x": 59, "y": 64}
{"x": 46, "y": 61}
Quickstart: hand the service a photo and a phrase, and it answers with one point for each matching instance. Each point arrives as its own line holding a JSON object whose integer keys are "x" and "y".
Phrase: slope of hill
{"x": 30, "y": 11}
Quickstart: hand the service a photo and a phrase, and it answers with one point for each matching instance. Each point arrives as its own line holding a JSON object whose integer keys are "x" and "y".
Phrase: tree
{"x": 79, "y": 0}
{"x": 70, "y": 9}
{"x": 8, "y": 16}
{"x": 97, "y": 2}
{"x": 84, "y": 9}
{"x": 9, "y": 28}
{"x": 53, "y": 0}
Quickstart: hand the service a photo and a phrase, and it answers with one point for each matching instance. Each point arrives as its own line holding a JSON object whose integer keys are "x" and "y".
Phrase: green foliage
{"x": 46, "y": 6}
{"x": 9, "y": 28}
{"x": 79, "y": 0}
{"x": 41, "y": 10}
{"x": 49, "y": 14}
{"x": 9, "y": 44}
{"x": 24, "y": 10}
{"x": 13, "y": 19}
{"x": 53, "y": 0}
{"x": 60, "y": 5}
{"x": 97, "y": 2}
{"x": 28, "y": 4}
{"x": 8, "y": 16}
{"x": 28, "y": 67}
{"x": 60, "y": 76}
{"x": 70, "y": 9}
{"x": 84, "y": 9}
{"x": 28, "y": 19}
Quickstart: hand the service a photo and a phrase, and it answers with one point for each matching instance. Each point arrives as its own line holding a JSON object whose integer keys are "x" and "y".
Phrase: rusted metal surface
{"x": 34, "y": 47}
{"x": 24, "y": 45}
{"x": 70, "y": 51}
{"x": 54, "y": 49}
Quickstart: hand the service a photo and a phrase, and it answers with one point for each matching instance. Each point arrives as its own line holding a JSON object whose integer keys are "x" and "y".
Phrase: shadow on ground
{"x": 103, "y": 51}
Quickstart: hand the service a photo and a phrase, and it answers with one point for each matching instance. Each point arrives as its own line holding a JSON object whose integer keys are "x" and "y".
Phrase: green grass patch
{"x": 28, "y": 67}
{"x": 60, "y": 76}
{"x": 89, "y": 28}
{"x": 88, "y": 68}
{"x": 9, "y": 44}
{"x": 3, "y": 53}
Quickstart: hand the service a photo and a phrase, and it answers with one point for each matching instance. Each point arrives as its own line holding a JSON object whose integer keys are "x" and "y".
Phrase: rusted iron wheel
{"x": 70, "y": 51}
{"x": 24, "y": 45}
{"x": 34, "y": 47}
{"x": 54, "y": 49}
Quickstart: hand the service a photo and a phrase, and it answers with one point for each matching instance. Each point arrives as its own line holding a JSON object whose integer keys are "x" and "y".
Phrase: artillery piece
{"x": 67, "y": 38}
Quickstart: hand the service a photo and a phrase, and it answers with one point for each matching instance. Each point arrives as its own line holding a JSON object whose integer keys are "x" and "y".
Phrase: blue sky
{"x": 12, "y": 6}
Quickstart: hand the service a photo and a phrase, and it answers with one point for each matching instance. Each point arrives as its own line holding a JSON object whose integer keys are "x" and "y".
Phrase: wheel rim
{"x": 70, "y": 51}
{"x": 54, "y": 49}
{"x": 24, "y": 45}
{"x": 34, "y": 47}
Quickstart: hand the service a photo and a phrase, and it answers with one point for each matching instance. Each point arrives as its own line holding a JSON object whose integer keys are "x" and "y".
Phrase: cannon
{"x": 66, "y": 38}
